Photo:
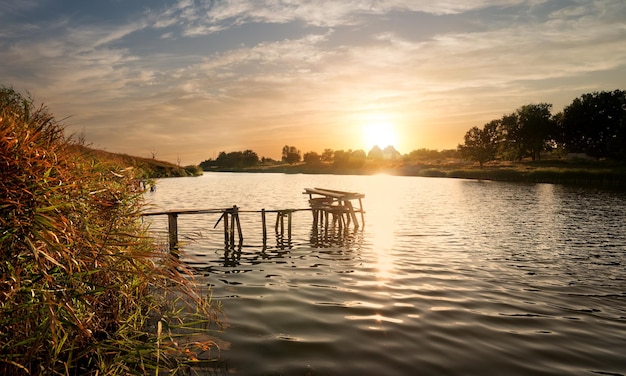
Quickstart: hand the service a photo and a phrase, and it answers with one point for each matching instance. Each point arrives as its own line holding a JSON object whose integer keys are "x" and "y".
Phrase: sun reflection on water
{"x": 381, "y": 208}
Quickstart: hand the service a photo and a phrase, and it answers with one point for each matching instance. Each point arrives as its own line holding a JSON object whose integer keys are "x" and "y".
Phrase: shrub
{"x": 82, "y": 290}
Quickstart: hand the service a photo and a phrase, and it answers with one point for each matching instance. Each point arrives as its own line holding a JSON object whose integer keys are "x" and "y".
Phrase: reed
{"x": 83, "y": 290}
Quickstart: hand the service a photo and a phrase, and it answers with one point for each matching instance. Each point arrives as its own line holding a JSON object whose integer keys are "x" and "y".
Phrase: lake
{"x": 447, "y": 276}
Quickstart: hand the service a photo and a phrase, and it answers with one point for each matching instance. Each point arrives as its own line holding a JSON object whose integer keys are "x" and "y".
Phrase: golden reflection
{"x": 381, "y": 210}
{"x": 377, "y": 317}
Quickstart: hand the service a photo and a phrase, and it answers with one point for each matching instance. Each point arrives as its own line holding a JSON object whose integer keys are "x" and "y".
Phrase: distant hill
{"x": 146, "y": 167}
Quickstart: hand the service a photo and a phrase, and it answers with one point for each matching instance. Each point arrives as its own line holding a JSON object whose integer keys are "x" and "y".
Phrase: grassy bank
{"x": 598, "y": 174}
{"x": 557, "y": 171}
{"x": 83, "y": 290}
{"x": 146, "y": 168}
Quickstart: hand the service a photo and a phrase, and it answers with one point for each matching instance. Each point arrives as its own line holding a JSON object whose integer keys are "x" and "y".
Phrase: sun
{"x": 381, "y": 133}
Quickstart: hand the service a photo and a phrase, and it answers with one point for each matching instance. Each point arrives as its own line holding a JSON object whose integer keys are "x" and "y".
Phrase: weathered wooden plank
{"x": 345, "y": 193}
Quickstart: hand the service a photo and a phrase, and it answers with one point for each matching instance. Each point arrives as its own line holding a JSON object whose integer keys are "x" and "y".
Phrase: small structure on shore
{"x": 328, "y": 207}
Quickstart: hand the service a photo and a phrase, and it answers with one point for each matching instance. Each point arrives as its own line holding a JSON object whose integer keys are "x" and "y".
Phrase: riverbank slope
{"x": 147, "y": 168}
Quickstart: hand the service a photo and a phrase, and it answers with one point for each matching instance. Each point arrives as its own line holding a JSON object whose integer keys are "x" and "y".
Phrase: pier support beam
{"x": 172, "y": 229}
{"x": 231, "y": 220}
{"x": 264, "y": 226}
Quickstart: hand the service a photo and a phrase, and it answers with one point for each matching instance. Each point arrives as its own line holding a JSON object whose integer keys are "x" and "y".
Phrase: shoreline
{"x": 585, "y": 174}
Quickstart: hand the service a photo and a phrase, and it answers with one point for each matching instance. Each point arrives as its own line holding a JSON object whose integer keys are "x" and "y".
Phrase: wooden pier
{"x": 338, "y": 204}
{"x": 329, "y": 207}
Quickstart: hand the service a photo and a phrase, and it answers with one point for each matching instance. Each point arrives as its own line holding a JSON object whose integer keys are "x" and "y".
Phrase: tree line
{"x": 291, "y": 154}
{"x": 593, "y": 124}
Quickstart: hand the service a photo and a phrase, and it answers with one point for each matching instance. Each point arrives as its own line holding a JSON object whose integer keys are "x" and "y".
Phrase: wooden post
{"x": 362, "y": 214}
{"x": 225, "y": 228}
{"x": 352, "y": 214}
{"x": 289, "y": 224}
{"x": 277, "y": 219}
{"x": 264, "y": 226}
{"x": 326, "y": 220}
{"x": 236, "y": 215}
{"x": 172, "y": 225}
{"x": 232, "y": 227}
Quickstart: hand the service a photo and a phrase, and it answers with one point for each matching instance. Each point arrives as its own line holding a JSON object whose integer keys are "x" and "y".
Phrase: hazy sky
{"x": 190, "y": 78}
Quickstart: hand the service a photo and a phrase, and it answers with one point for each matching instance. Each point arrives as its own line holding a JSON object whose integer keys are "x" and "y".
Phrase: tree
{"x": 349, "y": 158}
{"x": 536, "y": 126}
{"x": 357, "y": 158}
{"x": 511, "y": 147}
{"x": 376, "y": 153}
{"x": 249, "y": 158}
{"x": 527, "y": 132}
{"x": 328, "y": 156}
{"x": 481, "y": 145}
{"x": 389, "y": 152}
{"x": 595, "y": 124}
{"x": 291, "y": 154}
{"x": 341, "y": 158}
{"x": 312, "y": 158}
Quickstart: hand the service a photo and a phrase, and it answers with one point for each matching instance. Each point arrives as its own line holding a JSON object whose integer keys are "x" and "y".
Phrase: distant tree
{"x": 511, "y": 147}
{"x": 328, "y": 156}
{"x": 536, "y": 126}
{"x": 312, "y": 158}
{"x": 249, "y": 158}
{"x": 357, "y": 158}
{"x": 449, "y": 153}
{"x": 376, "y": 153}
{"x": 349, "y": 158}
{"x": 481, "y": 145}
{"x": 595, "y": 124}
{"x": 341, "y": 158}
{"x": 423, "y": 155}
{"x": 527, "y": 132}
{"x": 291, "y": 154}
{"x": 390, "y": 153}
{"x": 207, "y": 164}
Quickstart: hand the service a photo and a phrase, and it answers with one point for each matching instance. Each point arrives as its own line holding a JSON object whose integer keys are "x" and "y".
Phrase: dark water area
{"x": 447, "y": 277}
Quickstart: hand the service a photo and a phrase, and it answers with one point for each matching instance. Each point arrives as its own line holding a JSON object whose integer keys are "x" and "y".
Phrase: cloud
{"x": 171, "y": 79}
{"x": 207, "y": 17}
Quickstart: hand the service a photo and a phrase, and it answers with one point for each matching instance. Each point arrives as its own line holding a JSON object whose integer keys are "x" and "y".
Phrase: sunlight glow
{"x": 379, "y": 131}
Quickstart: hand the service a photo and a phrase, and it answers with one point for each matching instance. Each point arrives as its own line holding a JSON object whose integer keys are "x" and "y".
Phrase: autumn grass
{"x": 83, "y": 290}
{"x": 145, "y": 168}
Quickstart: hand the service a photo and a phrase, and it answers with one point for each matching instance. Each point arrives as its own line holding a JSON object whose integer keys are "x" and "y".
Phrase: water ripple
{"x": 454, "y": 277}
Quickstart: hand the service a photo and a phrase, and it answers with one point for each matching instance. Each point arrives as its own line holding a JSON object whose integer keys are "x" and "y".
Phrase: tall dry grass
{"x": 82, "y": 290}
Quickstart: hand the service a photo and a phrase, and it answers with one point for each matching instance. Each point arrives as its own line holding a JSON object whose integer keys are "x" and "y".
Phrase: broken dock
{"x": 332, "y": 209}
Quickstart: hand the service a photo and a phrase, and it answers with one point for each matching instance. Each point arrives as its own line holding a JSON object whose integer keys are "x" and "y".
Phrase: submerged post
{"x": 172, "y": 228}
{"x": 236, "y": 217}
{"x": 264, "y": 227}
{"x": 225, "y": 215}
{"x": 289, "y": 224}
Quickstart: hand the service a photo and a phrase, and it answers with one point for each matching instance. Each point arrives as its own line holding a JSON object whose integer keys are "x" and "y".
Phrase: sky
{"x": 183, "y": 80}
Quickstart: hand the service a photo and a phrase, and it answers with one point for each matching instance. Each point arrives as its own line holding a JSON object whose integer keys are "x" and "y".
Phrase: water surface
{"x": 447, "y": 276}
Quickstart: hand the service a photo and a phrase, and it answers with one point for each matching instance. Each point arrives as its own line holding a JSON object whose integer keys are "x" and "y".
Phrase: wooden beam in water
{"x": 172, "y": 229}
{"x": 264, "y": 226}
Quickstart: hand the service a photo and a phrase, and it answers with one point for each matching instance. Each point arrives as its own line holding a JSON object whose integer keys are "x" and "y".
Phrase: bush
{"x": 82, "y": 290}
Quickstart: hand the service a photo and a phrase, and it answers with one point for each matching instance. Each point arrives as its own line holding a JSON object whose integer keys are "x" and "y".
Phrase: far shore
{"x": 580, "y": 173}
